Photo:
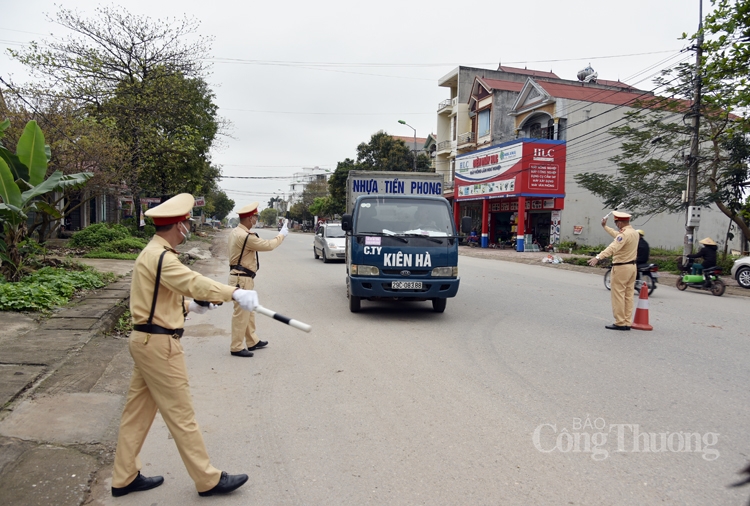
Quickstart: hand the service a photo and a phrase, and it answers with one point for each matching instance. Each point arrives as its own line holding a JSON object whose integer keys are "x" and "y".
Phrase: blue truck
{"x": 401, "y": 241}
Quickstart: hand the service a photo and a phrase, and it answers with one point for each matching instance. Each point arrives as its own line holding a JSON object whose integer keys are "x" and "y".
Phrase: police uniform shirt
{"x": 624, "y": 248}
{"x": 177, "y": 280}
{"x": 254, "y": 243}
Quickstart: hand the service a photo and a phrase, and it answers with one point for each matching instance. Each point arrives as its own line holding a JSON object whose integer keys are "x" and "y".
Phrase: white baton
{"x": 283, "y": 319}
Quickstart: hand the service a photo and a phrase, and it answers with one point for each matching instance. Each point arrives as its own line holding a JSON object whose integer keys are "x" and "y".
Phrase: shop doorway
{"x": 502, "y": 228}
{"x": 539, "y": 227}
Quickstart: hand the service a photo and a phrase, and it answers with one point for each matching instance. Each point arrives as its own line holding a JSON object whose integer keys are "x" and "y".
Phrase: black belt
{"x": 156, "y": 329}
{"x": 624, "y": 263}
{"x": 245, "y": 272}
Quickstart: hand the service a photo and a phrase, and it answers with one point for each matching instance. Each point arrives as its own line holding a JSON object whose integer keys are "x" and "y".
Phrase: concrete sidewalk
{"x": 535, "y": 258}
{"x": 58, "y": 384}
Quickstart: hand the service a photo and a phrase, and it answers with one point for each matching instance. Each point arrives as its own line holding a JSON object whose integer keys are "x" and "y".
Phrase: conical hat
{"x": 707, "y": 241}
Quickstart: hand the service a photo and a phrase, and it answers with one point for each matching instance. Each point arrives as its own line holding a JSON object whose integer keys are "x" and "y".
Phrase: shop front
{"x": 514, "y": 191}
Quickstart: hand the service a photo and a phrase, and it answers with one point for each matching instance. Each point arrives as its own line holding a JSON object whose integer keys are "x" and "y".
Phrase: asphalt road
{"x": 515, "y": 395}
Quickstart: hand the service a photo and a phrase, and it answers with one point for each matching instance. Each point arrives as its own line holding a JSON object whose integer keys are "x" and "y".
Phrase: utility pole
{"x": 692, "y": 216}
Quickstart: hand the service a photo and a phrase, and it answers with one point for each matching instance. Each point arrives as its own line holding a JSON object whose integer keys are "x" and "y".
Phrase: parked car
{"x": 741, "y": 271}
{"x": 330, "y": 242}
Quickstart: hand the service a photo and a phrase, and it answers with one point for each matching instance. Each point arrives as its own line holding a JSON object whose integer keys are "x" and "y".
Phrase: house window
{"x": 535, "y": 130}
{"x": 483, "y": 123}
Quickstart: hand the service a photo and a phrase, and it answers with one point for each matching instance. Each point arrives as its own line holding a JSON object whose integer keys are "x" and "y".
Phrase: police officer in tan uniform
{"x": 243, "y": 267}
{"x": 623, "y": 251}
{"x": 160, "y": 283}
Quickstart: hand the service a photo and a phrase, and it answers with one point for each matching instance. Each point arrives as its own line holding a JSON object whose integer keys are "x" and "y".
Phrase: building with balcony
{"x": 300, "y": 180}
{"x": 512, "y": 140}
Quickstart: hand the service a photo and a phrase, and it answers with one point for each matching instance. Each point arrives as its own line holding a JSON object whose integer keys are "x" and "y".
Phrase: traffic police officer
{"x": 623, "y": 251}
{"x": 160, "y": 283}
{"x": 243, "y": 267}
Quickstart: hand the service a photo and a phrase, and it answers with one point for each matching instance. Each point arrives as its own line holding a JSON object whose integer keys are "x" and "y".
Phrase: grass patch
{"x": 124, "y": 325}
{"x": 110, "y": 256}
{"x": 50, "y": 287}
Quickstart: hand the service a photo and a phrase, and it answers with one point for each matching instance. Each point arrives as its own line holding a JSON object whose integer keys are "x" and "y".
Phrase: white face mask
{"x": 185, "y": 232}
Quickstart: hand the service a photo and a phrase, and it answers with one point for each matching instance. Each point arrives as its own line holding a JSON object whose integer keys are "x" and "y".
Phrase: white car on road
{"x": 330, "y": 242}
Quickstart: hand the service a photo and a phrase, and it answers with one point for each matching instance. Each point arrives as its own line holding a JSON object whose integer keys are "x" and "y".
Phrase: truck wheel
{"x": 355, "y": 303}
{"x": 438, "y": 305}
{"x": 315, "y": 252}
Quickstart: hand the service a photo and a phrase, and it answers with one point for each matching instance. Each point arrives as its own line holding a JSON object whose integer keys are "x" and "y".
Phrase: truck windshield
{"x": 404, "y": 217}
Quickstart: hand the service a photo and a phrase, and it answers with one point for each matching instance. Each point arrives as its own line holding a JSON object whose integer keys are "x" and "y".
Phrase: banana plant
{"x": 21, "y": 184}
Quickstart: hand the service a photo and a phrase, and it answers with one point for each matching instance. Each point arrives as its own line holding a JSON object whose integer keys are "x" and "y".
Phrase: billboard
{"x": 532, "y": 167}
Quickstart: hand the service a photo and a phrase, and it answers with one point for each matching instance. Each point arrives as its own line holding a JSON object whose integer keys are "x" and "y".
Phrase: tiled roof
{"x": 580, "y": 92}
{"x": 410, "y": 140}
{"x": 527, "y": 72}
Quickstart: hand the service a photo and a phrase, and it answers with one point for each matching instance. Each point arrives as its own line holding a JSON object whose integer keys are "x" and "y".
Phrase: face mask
{"x": 185, "y": 232}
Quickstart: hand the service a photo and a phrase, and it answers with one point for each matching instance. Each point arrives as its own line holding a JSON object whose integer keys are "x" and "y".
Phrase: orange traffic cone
{"x": 640, "y": 322}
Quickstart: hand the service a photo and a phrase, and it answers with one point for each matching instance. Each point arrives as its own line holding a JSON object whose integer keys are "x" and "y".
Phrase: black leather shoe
{"x": 242, "y": 353}
{"x": 261, "y": 344}
{"x": 617, "y": 327}
{"x": 227, "y": 483}
{"x": 139, "y": 484}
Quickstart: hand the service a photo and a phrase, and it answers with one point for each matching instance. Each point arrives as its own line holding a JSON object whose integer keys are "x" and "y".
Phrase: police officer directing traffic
{"x": 160, "y": 283}
{"x": 243, "y": 267}
{"x": 623, "y": 252}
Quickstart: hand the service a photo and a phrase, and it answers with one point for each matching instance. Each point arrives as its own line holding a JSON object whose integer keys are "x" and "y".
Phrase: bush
{"x": 576, "y": 260}
{"x": 128, "y": 245}
{"x": 49, "y": 287}
{"x": 98, "y": 234}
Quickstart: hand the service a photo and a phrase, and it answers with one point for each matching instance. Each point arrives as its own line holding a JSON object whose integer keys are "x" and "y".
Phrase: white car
{"x": 330, "y": 242}
{"x": 741, "y": 271}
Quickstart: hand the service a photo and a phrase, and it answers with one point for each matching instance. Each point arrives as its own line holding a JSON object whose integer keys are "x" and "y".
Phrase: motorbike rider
{"x": 708, "y": 254}
{"x": 643, "y": 249}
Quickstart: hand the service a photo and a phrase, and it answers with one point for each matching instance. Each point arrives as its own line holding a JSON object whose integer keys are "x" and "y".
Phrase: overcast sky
{"x": 317, "y": 78}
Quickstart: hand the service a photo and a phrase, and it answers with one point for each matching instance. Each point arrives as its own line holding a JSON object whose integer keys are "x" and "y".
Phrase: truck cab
{"x": 401, "y": 248}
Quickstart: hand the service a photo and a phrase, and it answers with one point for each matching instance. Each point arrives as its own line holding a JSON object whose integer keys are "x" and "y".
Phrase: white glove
{"x": 247, "y": 299}
{"x": 194, "y": 307}
{"x": 284, "y": 230}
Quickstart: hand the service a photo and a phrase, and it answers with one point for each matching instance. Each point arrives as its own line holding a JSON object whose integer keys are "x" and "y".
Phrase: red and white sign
{"x": 200, "y": 201}
{"x": 531, "y": 167}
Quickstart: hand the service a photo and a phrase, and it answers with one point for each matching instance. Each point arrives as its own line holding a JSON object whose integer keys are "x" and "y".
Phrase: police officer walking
{"x": 160, "y": 283}
{"x": 243, "y": 267}
{"x": 623, "y": 252}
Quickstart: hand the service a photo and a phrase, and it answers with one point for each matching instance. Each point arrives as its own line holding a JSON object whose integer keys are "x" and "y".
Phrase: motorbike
{"x": 647, "y": 273}
{"x": 714, "y": 284}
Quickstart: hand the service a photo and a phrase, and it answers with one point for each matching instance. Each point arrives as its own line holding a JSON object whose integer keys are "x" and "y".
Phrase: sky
{"x": 303, "y": 83}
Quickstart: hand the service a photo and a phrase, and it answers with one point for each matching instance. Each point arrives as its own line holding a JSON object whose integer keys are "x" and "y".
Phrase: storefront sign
{"x": 200, "y": 201}
{"x": 532, "y": 167}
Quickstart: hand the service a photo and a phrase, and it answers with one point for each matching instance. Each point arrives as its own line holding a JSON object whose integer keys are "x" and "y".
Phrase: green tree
{"x": 651, "y": 166}
{"x": 22, "y": 183}
{"x": 80, "y": 143}
{"x": 220, "y": 203}
{"x": 269, "y": 215}
{"x": 726, "y": 59}
{"x": 383, "y": 152}
{"x": 121, "y": 68}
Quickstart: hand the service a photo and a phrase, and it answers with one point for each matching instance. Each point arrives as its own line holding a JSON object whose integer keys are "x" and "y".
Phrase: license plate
{"x": 406, "y": 285}
{"x": 654, "y": 274}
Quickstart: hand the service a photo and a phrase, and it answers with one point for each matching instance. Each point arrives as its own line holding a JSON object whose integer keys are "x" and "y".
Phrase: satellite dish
{"x": 587, "y": 75}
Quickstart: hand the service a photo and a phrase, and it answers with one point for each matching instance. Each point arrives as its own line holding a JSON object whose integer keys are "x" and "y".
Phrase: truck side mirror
{"x": 466, "y": 224}
{"x": 346, "y": 222}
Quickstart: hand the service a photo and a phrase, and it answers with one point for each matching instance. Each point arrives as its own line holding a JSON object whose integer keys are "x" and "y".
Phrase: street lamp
{"x": 415, "y": 142}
